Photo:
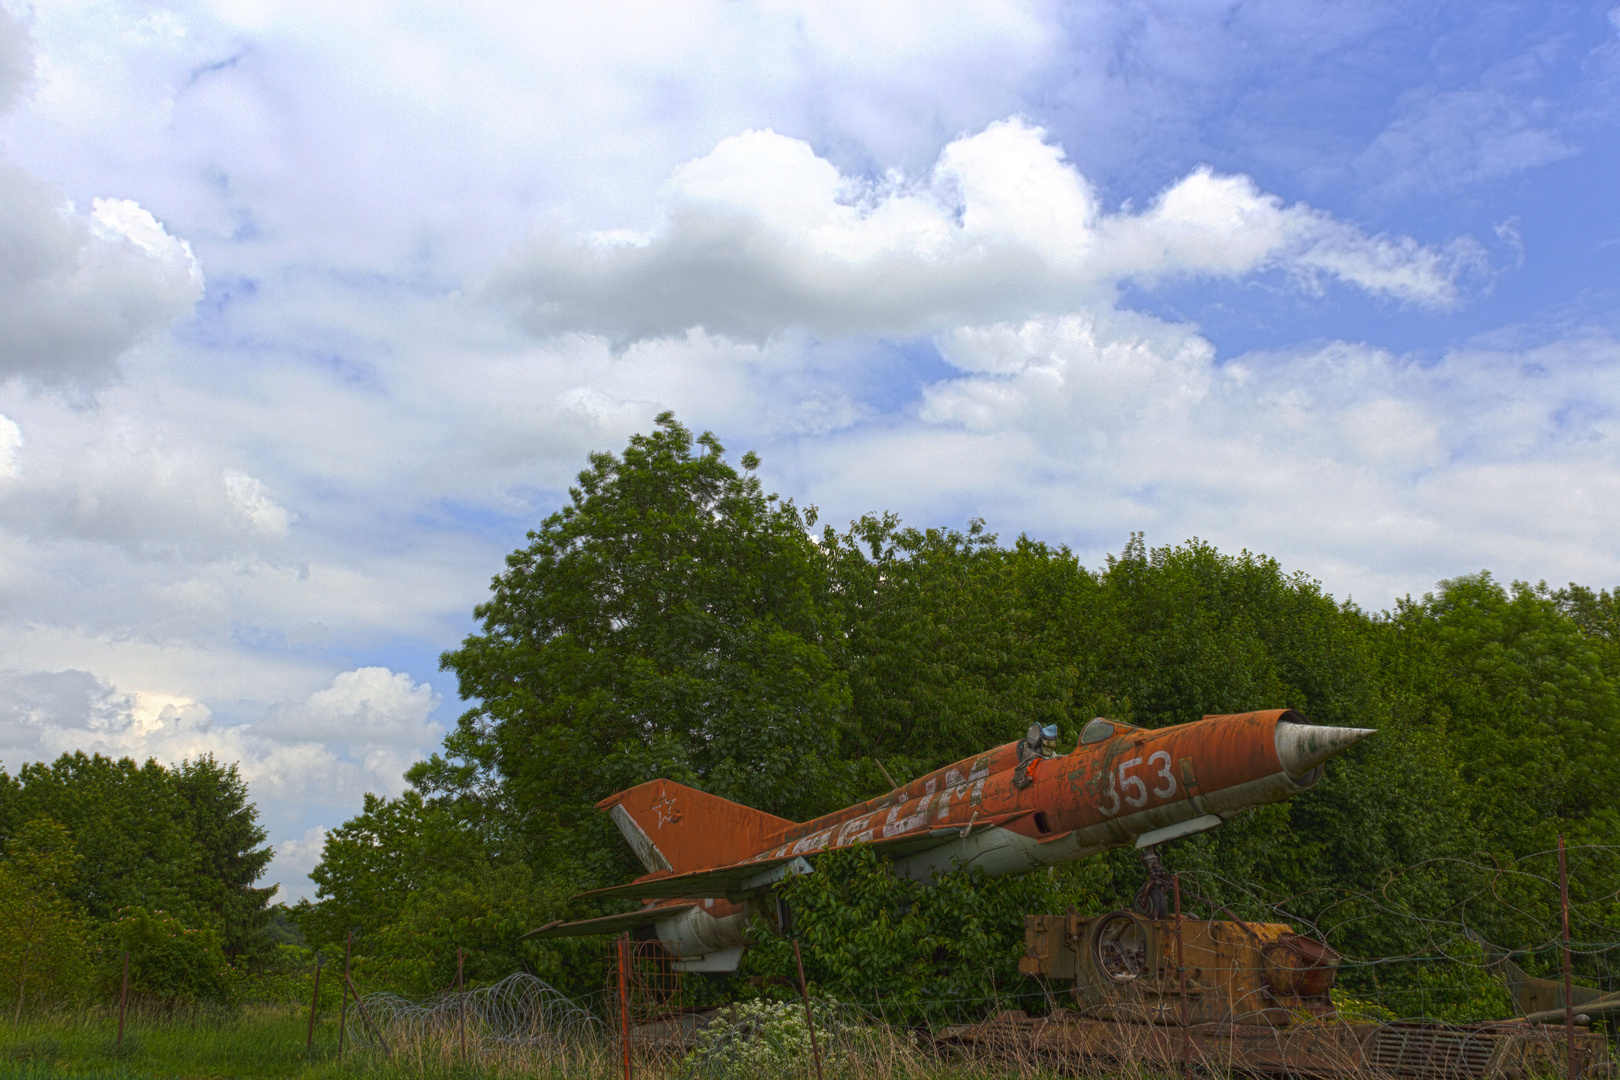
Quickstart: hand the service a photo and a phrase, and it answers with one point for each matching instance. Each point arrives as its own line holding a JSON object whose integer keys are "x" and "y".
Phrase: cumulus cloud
{"x": 761, "y": 235}
{"x": 153, "y": 494}
{"x": 77, "y": 290}
{"x": 332, "y": 745}
{"x": 39, "y": 708}
{"x": 295, "y": 857}
{"x": 10, "y": 441}
{"x": 1370, "y": 469}
{"x": 371, "y": 706}
{"x": 252, "y": 500}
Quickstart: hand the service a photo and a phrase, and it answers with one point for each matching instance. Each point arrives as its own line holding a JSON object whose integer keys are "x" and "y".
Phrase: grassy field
{"x": 263, "y": 1041}
{"x": 269, "y": 1042}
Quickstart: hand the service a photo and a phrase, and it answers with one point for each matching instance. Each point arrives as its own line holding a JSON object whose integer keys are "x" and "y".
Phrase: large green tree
{"x": 670, "y": 621}
{"x": 183, "y": 839}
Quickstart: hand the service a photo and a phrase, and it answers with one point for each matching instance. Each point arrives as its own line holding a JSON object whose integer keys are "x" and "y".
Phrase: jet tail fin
{"x": 679, "y": 829}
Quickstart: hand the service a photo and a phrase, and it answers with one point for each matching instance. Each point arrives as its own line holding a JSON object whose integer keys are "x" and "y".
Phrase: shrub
{"x": 170, "y": 963}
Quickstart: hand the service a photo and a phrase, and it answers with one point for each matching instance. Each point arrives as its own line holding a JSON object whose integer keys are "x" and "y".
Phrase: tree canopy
{"x": 674, "y": 620}
{"x": 100, "y": 855}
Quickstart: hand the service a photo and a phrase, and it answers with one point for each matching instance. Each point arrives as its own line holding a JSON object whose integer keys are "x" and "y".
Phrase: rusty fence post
{"x": 1181, "y": 971}
{"x": 804, "y": 992}
{"x": 314, "y": 1003}
{"x": 624, "y": 1002}
{"x": 123, "y": 1000}
{"x": 1569, "y": 988}
{"x": 343, "y": 1015}
{"x": 461, "y": 1002}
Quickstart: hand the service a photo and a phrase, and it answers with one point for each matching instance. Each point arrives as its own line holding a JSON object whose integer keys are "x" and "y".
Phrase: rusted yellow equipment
{"x": 1246, "y": 997}
{"x": 1125, "y": 967}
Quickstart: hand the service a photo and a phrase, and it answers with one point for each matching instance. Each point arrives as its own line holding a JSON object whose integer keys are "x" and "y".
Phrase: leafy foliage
{"x": 98, "y": 856}
{"x": 184, "y": 839}
{"x": 933, "y": 952}
{"x": 668, "y": 621}
{"x": 170, "y": 963}
{"x": 674, "y": 620}
{"x": 43, "y": 958}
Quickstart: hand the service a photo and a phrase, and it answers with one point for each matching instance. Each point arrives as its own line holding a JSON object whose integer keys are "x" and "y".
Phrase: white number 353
{"x": 1134, "y": 787}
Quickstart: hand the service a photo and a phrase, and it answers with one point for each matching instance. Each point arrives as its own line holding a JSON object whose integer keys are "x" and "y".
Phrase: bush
{"x": 170, "y": 963}
{"x": 751, "y": 1039}
{"x": 44, "y": 959}
{"x": 926, "y": 953}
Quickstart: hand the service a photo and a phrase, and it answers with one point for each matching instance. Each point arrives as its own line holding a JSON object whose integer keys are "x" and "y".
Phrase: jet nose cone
{"x": 1302, "y": 747}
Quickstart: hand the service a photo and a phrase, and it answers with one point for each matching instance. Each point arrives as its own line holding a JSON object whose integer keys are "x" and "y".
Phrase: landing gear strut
{"x": 1153, "y": 899}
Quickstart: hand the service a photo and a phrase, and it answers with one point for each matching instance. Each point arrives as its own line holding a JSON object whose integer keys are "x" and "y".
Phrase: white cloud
{"x": 1369, "y": 470}
{"x": 761, "y": 236}
{"x": 152, "y": 491}
{"x": 16, "y": 58}
{"x": 371, "y": 706}
{"x": 295, "y": 857}
{"x": 77, "y": 291}
{"x": 248, "y": 495}
{"x": 1444, "y": 139}
{"x": 10, "y": 441}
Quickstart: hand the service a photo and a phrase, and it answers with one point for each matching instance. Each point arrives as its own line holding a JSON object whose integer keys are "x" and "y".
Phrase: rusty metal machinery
{"x": 1256, "y": 1000}
{"x": 1124, "y": 967}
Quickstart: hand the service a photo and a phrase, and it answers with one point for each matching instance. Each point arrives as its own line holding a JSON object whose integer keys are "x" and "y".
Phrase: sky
{"x": 308, "y": 313}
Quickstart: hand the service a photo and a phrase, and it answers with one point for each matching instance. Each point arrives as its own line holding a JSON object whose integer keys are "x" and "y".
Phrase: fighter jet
{"x": 710, "y": 862}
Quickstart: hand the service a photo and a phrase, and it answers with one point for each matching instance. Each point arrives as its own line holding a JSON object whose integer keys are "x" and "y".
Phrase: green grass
{"x": 268, "y": 1041}
{"x": 255, "y": 1042}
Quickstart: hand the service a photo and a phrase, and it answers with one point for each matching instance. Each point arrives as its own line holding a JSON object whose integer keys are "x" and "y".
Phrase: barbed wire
{"x": 520, "y": 1009}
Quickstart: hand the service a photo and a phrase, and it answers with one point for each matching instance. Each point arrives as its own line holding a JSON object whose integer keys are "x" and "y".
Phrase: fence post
{"x": 804, "y": 992}
{"x": 314, "y": 1001}
{"x": 461, "y": 1002}
{"x": 343, "y": 1015}
{"x": 123, "y": 1000}
{"x": 624, "y": 1002}
{"x": 1181, "y": 970}
{"x": 1569, "y": 987}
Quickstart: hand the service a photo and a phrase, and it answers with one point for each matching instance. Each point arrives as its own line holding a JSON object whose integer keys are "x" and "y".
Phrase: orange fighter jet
{"x": 709, "y": 860}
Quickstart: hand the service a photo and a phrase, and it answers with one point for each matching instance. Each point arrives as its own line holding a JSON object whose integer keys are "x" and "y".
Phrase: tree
{"x": 945, "y": 950}
{"x": 669, "y": 621}
{"x": 129, "y": 824}
{"x": 225, "y": 827}
{"x": 182, "y": 840}
{"x": 43, "y": 952}
{"x": 948, "y": 642}
{"x": 1530, "y": 702}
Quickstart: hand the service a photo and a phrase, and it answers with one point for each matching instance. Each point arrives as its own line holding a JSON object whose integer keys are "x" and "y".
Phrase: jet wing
{"x": 607, "y": 924}
{"x": 741, "y": 880}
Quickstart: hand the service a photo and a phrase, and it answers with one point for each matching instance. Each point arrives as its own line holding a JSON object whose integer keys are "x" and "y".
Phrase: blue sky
{"x": 307, "y": 316}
